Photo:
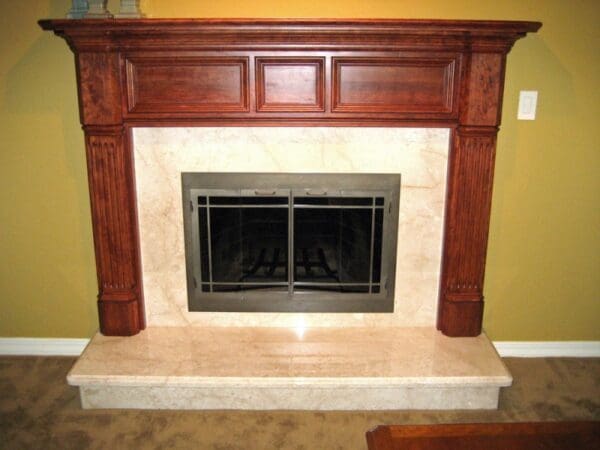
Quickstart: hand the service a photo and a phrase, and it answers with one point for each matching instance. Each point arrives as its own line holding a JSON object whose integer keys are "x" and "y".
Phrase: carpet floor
{"x": 38, "y": 410}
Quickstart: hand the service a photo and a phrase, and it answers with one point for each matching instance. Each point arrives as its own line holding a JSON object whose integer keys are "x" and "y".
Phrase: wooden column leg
{"x": 467, "y": 224}
{"x": 469, "y": 196}
{"x": 110, "y": 172}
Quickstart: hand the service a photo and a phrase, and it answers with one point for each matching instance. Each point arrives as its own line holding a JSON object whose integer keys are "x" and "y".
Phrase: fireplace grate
{"x": 290, "y": 242}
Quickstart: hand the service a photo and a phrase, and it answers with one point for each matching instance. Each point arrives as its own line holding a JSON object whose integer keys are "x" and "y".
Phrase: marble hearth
{"x": 208, "y": 360}
{"x": 270, "y": 368}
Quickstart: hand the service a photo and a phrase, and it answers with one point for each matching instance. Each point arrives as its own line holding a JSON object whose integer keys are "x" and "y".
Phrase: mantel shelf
{"x": 300, "y": 33}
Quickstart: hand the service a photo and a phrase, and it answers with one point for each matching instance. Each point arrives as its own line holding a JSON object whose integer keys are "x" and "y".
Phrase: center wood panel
{"x": 394, "y": 85}
{"x": 290, "y": 84}
{"x": 187, "y": 84}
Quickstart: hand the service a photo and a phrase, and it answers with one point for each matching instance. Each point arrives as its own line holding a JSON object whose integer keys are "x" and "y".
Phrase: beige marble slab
{"x": 195, "y": 356}
{"x": 419, "y": 155}
{"x": 292, "y": 398}
{"x": 280, "y": 368}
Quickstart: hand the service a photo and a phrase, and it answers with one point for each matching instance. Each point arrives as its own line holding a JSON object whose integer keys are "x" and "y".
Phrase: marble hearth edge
{"x": 283, "y": 368}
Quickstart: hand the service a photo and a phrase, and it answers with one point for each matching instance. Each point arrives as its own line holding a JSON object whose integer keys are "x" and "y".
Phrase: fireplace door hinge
{"x": 195, "y": 282}
{"x": 191, "y": 206}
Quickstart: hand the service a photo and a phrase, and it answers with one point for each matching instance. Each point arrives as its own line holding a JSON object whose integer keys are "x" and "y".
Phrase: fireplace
{"x": 265, "y": 242}
{"x": 291, "y": 99}
{"x": 296, "y": 73}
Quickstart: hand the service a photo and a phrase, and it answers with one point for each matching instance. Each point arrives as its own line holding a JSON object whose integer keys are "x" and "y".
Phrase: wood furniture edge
{"x": 572, "y": 435}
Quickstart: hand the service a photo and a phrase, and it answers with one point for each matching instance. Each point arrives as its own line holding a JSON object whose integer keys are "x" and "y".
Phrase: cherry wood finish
{"x": 487, "y": 436}
{"x": 182, "y": 72}
{"x": 110, "y": 168}
{"x": 290, "y": 84}
{"x": 416, "y": 84}
{"x": 163, "y": 84}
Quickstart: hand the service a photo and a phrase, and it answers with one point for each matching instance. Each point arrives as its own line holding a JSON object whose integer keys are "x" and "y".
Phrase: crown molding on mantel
{"x": 350, "y": 34}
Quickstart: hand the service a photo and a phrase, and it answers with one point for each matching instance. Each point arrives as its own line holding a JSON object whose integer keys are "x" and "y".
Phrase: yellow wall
{"x": 543, "y": 271}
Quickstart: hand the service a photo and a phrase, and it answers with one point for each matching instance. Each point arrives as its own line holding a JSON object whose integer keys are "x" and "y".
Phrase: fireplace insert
{"x": 258, "y": 242}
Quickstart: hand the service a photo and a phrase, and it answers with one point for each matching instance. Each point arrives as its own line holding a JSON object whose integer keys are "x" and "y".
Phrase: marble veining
{"x": 292, "y": 398}
{"x": 269, "y": 356}
{"x": 419, "y": 155}
{"x": 282, "y": 368}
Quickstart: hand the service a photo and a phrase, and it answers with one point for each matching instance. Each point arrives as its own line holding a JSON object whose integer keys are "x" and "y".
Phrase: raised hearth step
{"x": 289, "y": 368}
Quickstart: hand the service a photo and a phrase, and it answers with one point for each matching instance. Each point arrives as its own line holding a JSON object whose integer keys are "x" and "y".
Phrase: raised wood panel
{"x": 186, "y": 84}
{"x": 290, "y": 84}
{"x": 398, "y": 85}
{"x": 99, "y": 88}
{"x": 487, "y": 436}
{"x": 484, "y": 84}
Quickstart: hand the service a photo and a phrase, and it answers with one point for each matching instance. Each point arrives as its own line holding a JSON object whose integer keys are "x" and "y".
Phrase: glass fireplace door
{"x": 243, "y": 240}
{"x": 291, "y": 242}
{"x": 337, "y": 241}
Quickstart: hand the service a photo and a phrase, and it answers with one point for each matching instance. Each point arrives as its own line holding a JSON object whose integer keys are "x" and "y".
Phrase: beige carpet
{"x": 39, "y": 411}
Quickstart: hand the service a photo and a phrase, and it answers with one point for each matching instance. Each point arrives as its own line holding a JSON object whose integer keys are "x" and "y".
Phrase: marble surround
{"x": 281, "y": 368}
{"x": 418, "y": 154}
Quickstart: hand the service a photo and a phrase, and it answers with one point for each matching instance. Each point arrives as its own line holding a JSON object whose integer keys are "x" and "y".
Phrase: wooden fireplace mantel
{"x": 180, "y": 72}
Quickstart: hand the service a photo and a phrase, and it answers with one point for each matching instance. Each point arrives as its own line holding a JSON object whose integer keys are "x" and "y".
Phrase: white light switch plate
{"x": 527, "y": 105}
